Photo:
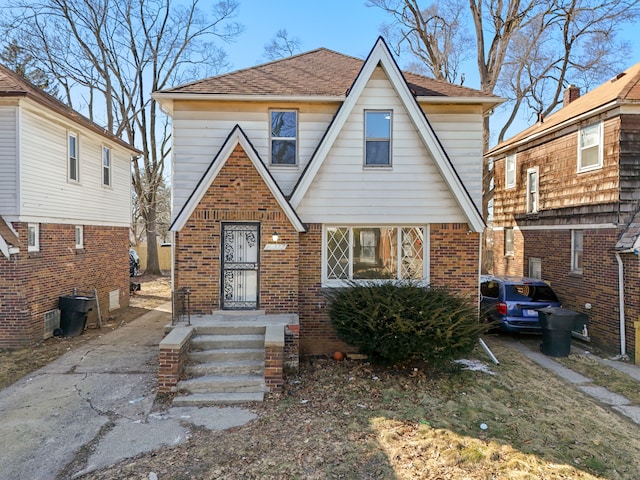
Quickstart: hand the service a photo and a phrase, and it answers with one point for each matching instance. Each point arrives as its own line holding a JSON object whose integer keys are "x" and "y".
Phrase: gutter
{"x": 623, "y": 339}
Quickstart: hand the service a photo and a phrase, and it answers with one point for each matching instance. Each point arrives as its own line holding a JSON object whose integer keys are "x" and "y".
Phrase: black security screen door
{"x": 240, "y": 265}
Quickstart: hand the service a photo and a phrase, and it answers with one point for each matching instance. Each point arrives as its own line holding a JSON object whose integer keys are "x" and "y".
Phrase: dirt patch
{"x": 350, "y": 420}
{"x": 16, "y": 363}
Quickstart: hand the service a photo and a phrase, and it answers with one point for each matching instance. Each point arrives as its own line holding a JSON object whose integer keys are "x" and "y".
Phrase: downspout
{"x": 623, "y": 340}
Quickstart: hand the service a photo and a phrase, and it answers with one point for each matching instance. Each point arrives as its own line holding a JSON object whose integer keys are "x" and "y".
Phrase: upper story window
{"x": 510, "y": 171}
{"x": 74, "y": 166}
{"x": 532, "y": 190}
{"x": 377, "y": 126}
{"x": 284, "y": 137}
{"x": 33, "y": 237}
{"x": 79, "y": 236}
{"x": 106, "y": 166}
{"x": 590, "y": 147}
{"x": 577, "y": 237}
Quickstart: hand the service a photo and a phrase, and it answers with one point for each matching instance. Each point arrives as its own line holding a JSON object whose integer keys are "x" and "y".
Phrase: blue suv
{"x": 513, "y": 302}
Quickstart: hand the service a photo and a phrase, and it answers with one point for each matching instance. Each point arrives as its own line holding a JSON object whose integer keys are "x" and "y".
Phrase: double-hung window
{"x": 374, "y": 253}
{"x": 590, "y": 147}
{"x": 74, "y": 167}
{"x": 33, "y": 237}
{"x": 510, "y": 171}
{"x": 284, "y": 137}
{"x": 106, "y": 166}
{"x": 532, "y": 190}
{"x": 377, "y": 126}
{"x": 577, "y": 238}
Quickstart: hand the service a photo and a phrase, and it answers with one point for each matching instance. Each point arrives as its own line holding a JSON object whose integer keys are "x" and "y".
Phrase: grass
{"x": 352, "y": 420}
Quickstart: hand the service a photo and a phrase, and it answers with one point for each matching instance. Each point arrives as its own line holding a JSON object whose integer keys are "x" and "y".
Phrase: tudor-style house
{"x": 567, "y": 203}
{"x": 319, "y": 169}
{"x": 65, "y": 211}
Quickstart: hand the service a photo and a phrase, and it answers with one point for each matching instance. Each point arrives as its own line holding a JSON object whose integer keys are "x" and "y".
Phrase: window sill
{"x": 34, "y": 254}
{"x": 284, "y": 166}
{"x": 80, "y": 251}
{"x": 575, "y": 273}
{"x": 509, "y": 255}
{"x": 378, "y": 167}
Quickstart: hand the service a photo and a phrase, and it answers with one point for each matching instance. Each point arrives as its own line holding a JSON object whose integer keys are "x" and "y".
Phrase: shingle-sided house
{"x": 317, "y": 169}
{"x": 64, "y": 211}
{"x": 567, "y": 203}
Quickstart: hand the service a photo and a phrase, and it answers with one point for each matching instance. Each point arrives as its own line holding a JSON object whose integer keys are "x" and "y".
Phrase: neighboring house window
{"x": 508, "y": 241}
{"x": 590, "y": 147}
{"x": 74, "y": 172}
{"x": 284, "y": 134}
{"x": 79, "y": 236}
{"x": 106, "y": 166}
{"x": 532, "y": 190}
{"x": 510, "y": 169}
{"x": 377, "y": 125}
{"x": 535, "y": 268}
{"x": 375, "y": 253}
{"x": 576, "y": 250}
{"x": 33, "y": 237}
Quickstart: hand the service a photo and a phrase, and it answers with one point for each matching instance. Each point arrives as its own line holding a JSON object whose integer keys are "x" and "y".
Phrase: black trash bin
{"x": 74, "y": 310}
{"x": 557, "y": 324}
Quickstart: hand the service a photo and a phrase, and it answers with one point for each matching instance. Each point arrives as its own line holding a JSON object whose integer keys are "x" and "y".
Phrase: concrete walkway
{"x": 616, "y": 402}
{"x": 92, "y": 406}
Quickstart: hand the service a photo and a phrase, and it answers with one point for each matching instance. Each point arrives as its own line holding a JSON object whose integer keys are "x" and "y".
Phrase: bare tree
{"x": 115, "y": 53}
{"x": 17, "y": 59}
{"x": 281, "y": 46}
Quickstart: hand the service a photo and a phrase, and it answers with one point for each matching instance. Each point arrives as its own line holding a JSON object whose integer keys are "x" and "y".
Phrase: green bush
{"x": 394, "y": 323}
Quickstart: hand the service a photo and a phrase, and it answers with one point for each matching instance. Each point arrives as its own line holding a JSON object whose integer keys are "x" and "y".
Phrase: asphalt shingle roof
{"x": 320, "y": 72}
{"x": 13, "y": 85}
{"x": 623, "y": 88}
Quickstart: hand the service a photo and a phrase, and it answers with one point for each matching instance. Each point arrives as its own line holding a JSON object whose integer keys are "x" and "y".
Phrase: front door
{"x": 240, "y": 266}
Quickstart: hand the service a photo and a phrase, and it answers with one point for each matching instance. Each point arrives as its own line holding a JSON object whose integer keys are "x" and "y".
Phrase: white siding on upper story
{"x": 459, "y": 129}
{"x": 46, "y": 195}
{"x": 411, "y": 192}
{"x": 200, "y": 129}
{"x": 8, "y": 160}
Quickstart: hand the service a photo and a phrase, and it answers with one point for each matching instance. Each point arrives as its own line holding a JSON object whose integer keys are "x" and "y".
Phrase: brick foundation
{"x": 173, "y": 355}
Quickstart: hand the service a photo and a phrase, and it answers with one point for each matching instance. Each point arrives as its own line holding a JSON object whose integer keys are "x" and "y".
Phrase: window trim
{"x": 388, "y": 139}
{"x": 296, "y": 139}
{"x": 530, "y": 208}
{"x": 507, "y": 160}
{"x": 600, "y": 163}
{"x": 106, "y": 169}
{"x": 532, "y": 261}
{"x": 80, "y": 243}
{"x": 511, "y": 252}
{"x": 35, "y": 247}
{"x": 74, "y": 135}
{"x": 574, "y": 267}
{"x": 334, "y": 282}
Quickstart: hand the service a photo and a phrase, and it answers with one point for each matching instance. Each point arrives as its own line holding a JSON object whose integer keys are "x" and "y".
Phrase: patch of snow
{"x": 475, "y": 365}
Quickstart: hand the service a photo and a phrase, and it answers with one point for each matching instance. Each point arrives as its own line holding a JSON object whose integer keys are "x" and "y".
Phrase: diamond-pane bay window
{"x": 375, "y": 253}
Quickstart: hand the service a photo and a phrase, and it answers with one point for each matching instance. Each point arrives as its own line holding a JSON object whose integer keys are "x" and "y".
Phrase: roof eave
{"x": 243, "y": 98}
{"x": 487, "y": 101}
{"x": 498, "y": 150}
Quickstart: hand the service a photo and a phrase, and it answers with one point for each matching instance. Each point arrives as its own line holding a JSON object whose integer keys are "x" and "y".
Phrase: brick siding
{"x": 31, "y": 282}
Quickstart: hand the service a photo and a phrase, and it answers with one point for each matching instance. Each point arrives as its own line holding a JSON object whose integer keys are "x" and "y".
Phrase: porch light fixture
{"x": 275, "y": 237}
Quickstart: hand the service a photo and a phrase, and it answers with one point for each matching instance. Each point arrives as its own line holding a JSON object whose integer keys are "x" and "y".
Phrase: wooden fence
{"x": 164, "y": 256}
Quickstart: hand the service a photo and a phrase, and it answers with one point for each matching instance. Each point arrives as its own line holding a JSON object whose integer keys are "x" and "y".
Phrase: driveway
{"x": 92, "y": 407}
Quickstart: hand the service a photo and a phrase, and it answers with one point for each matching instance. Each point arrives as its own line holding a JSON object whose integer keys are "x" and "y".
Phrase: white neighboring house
{"x": 65, "y": 211}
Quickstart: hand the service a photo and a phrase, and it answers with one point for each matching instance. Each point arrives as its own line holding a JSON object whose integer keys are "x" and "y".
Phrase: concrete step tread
{"x": 246, "y": 379}
{"x": 214, "y": 337}
{"x": 218, "y": 398}
{"x": 229, "y": 363}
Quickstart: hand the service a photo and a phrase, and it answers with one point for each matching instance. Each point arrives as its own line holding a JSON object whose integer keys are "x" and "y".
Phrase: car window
{"x": 530, "y": 293}
{"x": 490, "y": 289}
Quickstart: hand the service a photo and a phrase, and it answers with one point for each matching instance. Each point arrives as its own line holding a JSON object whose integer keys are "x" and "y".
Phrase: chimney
{"x": 570, "y": 94}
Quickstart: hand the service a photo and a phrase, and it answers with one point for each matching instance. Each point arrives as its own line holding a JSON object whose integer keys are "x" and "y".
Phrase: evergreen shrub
{"x": 397, "y": 322}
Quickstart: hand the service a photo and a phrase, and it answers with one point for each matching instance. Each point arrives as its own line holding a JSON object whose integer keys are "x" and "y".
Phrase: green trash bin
{"x": 557, "y": 324}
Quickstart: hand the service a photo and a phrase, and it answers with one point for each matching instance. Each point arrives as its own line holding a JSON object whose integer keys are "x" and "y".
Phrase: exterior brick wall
{"x": 454, "y": 264}
{"x": 31, "y": 282}
{"x": 455, "y": 258}
{"x": 238, "y": 194}
{"x": 171, "y": 360}
{"x": 273, "y": 368}
{"x": 597, "y": 285}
